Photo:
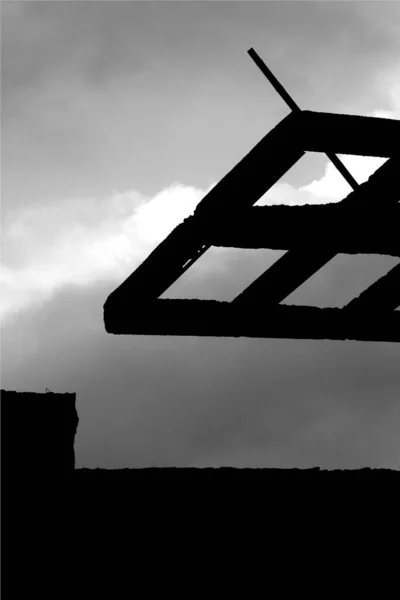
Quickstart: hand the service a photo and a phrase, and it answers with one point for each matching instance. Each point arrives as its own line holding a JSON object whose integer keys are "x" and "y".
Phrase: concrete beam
{"x": 347, "y": 134}
{"x": 315, "y": 228}
{"x": 222, "y": 319}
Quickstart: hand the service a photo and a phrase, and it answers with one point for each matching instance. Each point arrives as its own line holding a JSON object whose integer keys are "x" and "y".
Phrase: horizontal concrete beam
{"x": 328, "y": 227}
{"x": 223, "y": 319}
{"x": 347, "y": 134}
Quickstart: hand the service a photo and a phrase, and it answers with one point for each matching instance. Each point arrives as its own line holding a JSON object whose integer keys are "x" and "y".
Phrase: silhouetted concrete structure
{"x": 365, "y": 221}
{"x": 38, "y": 433}
{"x": 282, "y": 227}
{"x": 312, "y": 236}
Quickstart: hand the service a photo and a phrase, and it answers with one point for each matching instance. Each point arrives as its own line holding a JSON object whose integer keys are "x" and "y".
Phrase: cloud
{"x": 331, "y": 187}
{"x": 388, "y": 80}
{"x": 80, "y": 242}
{"x": 83, "y": 241}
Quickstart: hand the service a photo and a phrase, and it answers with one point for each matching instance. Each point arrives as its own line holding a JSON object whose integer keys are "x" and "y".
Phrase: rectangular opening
{"x": 222, "y": 273}
{"x": 341, "y": 280}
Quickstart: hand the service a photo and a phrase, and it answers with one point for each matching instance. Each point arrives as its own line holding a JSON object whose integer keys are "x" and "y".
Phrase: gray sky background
{"x": 117, "y": 117}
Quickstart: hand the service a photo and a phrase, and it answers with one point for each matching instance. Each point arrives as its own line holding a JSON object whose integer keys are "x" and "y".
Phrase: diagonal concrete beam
{"x": 383, "y": 295}
{"x": 252, "y": 177}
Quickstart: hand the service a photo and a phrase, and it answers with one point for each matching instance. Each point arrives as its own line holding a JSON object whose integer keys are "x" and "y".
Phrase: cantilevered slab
{"x": 348, "y": 134}
{"x": 213, "y": 318}
{"x": 135, "y": 307}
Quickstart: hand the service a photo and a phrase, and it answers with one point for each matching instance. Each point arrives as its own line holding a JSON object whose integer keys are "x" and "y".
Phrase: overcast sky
{"x": 117, "y": 117}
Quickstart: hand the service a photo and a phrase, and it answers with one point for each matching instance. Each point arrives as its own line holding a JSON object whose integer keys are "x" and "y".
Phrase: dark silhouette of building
{"x": 363, "y": 222}
{"x": 38, "y": 433}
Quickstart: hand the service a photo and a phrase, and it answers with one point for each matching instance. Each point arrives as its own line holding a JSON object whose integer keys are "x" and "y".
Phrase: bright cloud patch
{"x": 332, "y": 187}
{"x": 154, "y": 220}
{"x": 84, "y": 241}
{"x": 285, "y": 193}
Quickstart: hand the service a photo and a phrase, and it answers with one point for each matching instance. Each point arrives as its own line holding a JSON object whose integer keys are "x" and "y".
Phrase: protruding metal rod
{"x": 273, "y": 80}
{"x": 294, "y": 107}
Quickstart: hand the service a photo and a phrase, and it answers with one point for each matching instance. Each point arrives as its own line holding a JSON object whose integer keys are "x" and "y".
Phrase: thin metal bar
{"x": 273, "y": 80}
{"x": 342, "y": 170}
{"x": 293, "y": 106}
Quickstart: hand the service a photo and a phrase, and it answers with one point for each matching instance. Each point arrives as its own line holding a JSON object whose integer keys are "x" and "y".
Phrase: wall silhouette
{"x": 38, "y": 433}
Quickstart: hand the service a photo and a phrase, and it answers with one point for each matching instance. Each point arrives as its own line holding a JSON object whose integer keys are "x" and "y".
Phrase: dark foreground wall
{"x": 101, "y": 531}
{"x": 37, "y": 466}
{"x": 38, "y": 433}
